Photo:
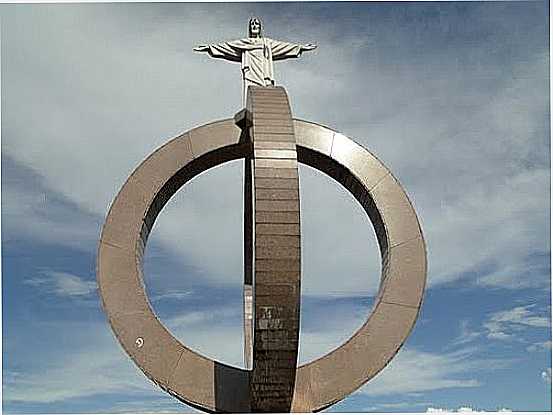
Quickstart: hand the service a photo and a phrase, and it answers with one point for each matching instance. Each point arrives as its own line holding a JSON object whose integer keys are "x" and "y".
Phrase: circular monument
{"x": 272, "y": 143}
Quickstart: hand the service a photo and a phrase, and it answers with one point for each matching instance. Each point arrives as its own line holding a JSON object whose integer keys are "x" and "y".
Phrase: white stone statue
{"x": 256, "y": 53}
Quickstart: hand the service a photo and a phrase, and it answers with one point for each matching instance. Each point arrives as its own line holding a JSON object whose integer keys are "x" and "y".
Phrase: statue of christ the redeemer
{"x": 256, "y": 53}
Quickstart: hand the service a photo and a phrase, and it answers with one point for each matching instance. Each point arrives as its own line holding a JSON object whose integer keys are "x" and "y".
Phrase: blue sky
{"x": 452, "y": 97}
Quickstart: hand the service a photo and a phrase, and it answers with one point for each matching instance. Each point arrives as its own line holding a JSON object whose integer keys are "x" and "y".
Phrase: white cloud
{"x": 172, "y": 295}
{"x": 29, "y": 214}
{"x": 154, "y": 405}
{"x": 504, "y": 325}
{"x": 495, "y": 331}
{"x": 195, "y": 318}
{"x": 63, "y": 284}
{"x": 416, "y": 371}
{"x": 507, "y": 325}
{"x": 516, "y": 276}
{"x": 462, "y": 409}
{"x": 466, "y": 334}
{"x": 470, "y": 232}
{"x": 539, "y": 346}
{"x": 395, "y": 405}
{"x": 546, "y": 375}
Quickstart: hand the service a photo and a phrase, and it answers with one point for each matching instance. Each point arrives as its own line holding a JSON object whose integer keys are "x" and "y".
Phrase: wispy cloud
{"x": 504, "y": 325}
{"x": 63, "y": 284}
{"x": 418, "y": 371}
{"x": 467, "y": 334}
{"x": 172, "y": 295}
{"x": 155, "y": 405}
{"x": 207, "y": 316}
{"x": 35, "y": 213}
{"x": 525, "y": 274}
{"x": 539, "y": 346}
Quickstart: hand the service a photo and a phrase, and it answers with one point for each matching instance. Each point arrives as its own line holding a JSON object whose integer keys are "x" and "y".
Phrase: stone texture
{"x": 396, "y": 211}
{"x": 277, "y": 214}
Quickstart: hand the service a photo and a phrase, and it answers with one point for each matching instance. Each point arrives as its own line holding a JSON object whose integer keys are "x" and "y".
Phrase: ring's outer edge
{"x": 213, "y": 386}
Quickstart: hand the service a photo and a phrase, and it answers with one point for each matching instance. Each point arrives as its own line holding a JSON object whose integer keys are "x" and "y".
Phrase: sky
{"x": 452, "y": 97}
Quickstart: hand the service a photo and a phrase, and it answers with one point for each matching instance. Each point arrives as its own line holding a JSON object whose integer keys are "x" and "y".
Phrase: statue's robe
{"x": 257, "y": 56}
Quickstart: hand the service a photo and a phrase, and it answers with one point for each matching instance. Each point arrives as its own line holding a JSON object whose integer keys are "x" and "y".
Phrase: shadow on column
{"x": 232, "y": 387}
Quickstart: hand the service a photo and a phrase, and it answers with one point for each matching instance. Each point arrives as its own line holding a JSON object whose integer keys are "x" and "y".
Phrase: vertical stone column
{"x": 277, "y": 266}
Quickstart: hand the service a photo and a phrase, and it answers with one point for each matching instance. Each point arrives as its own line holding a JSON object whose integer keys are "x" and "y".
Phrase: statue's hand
{"x": 201, "y": 48}
{"x": 309, "y": 46}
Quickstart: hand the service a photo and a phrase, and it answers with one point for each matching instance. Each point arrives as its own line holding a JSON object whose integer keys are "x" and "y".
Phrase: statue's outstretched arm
{"x": 231, "y": 51}
{"x": 284, "y": 50}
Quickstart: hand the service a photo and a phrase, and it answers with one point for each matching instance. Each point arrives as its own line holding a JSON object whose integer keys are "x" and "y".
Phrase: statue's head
{"x": 254, "y": 27}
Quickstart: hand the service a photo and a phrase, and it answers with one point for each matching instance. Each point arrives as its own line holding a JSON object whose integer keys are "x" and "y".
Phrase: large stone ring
{"x": 217, "y": 387}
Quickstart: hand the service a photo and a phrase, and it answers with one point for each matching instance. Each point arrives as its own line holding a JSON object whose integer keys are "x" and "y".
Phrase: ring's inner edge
{"x": 314, "y": 159}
